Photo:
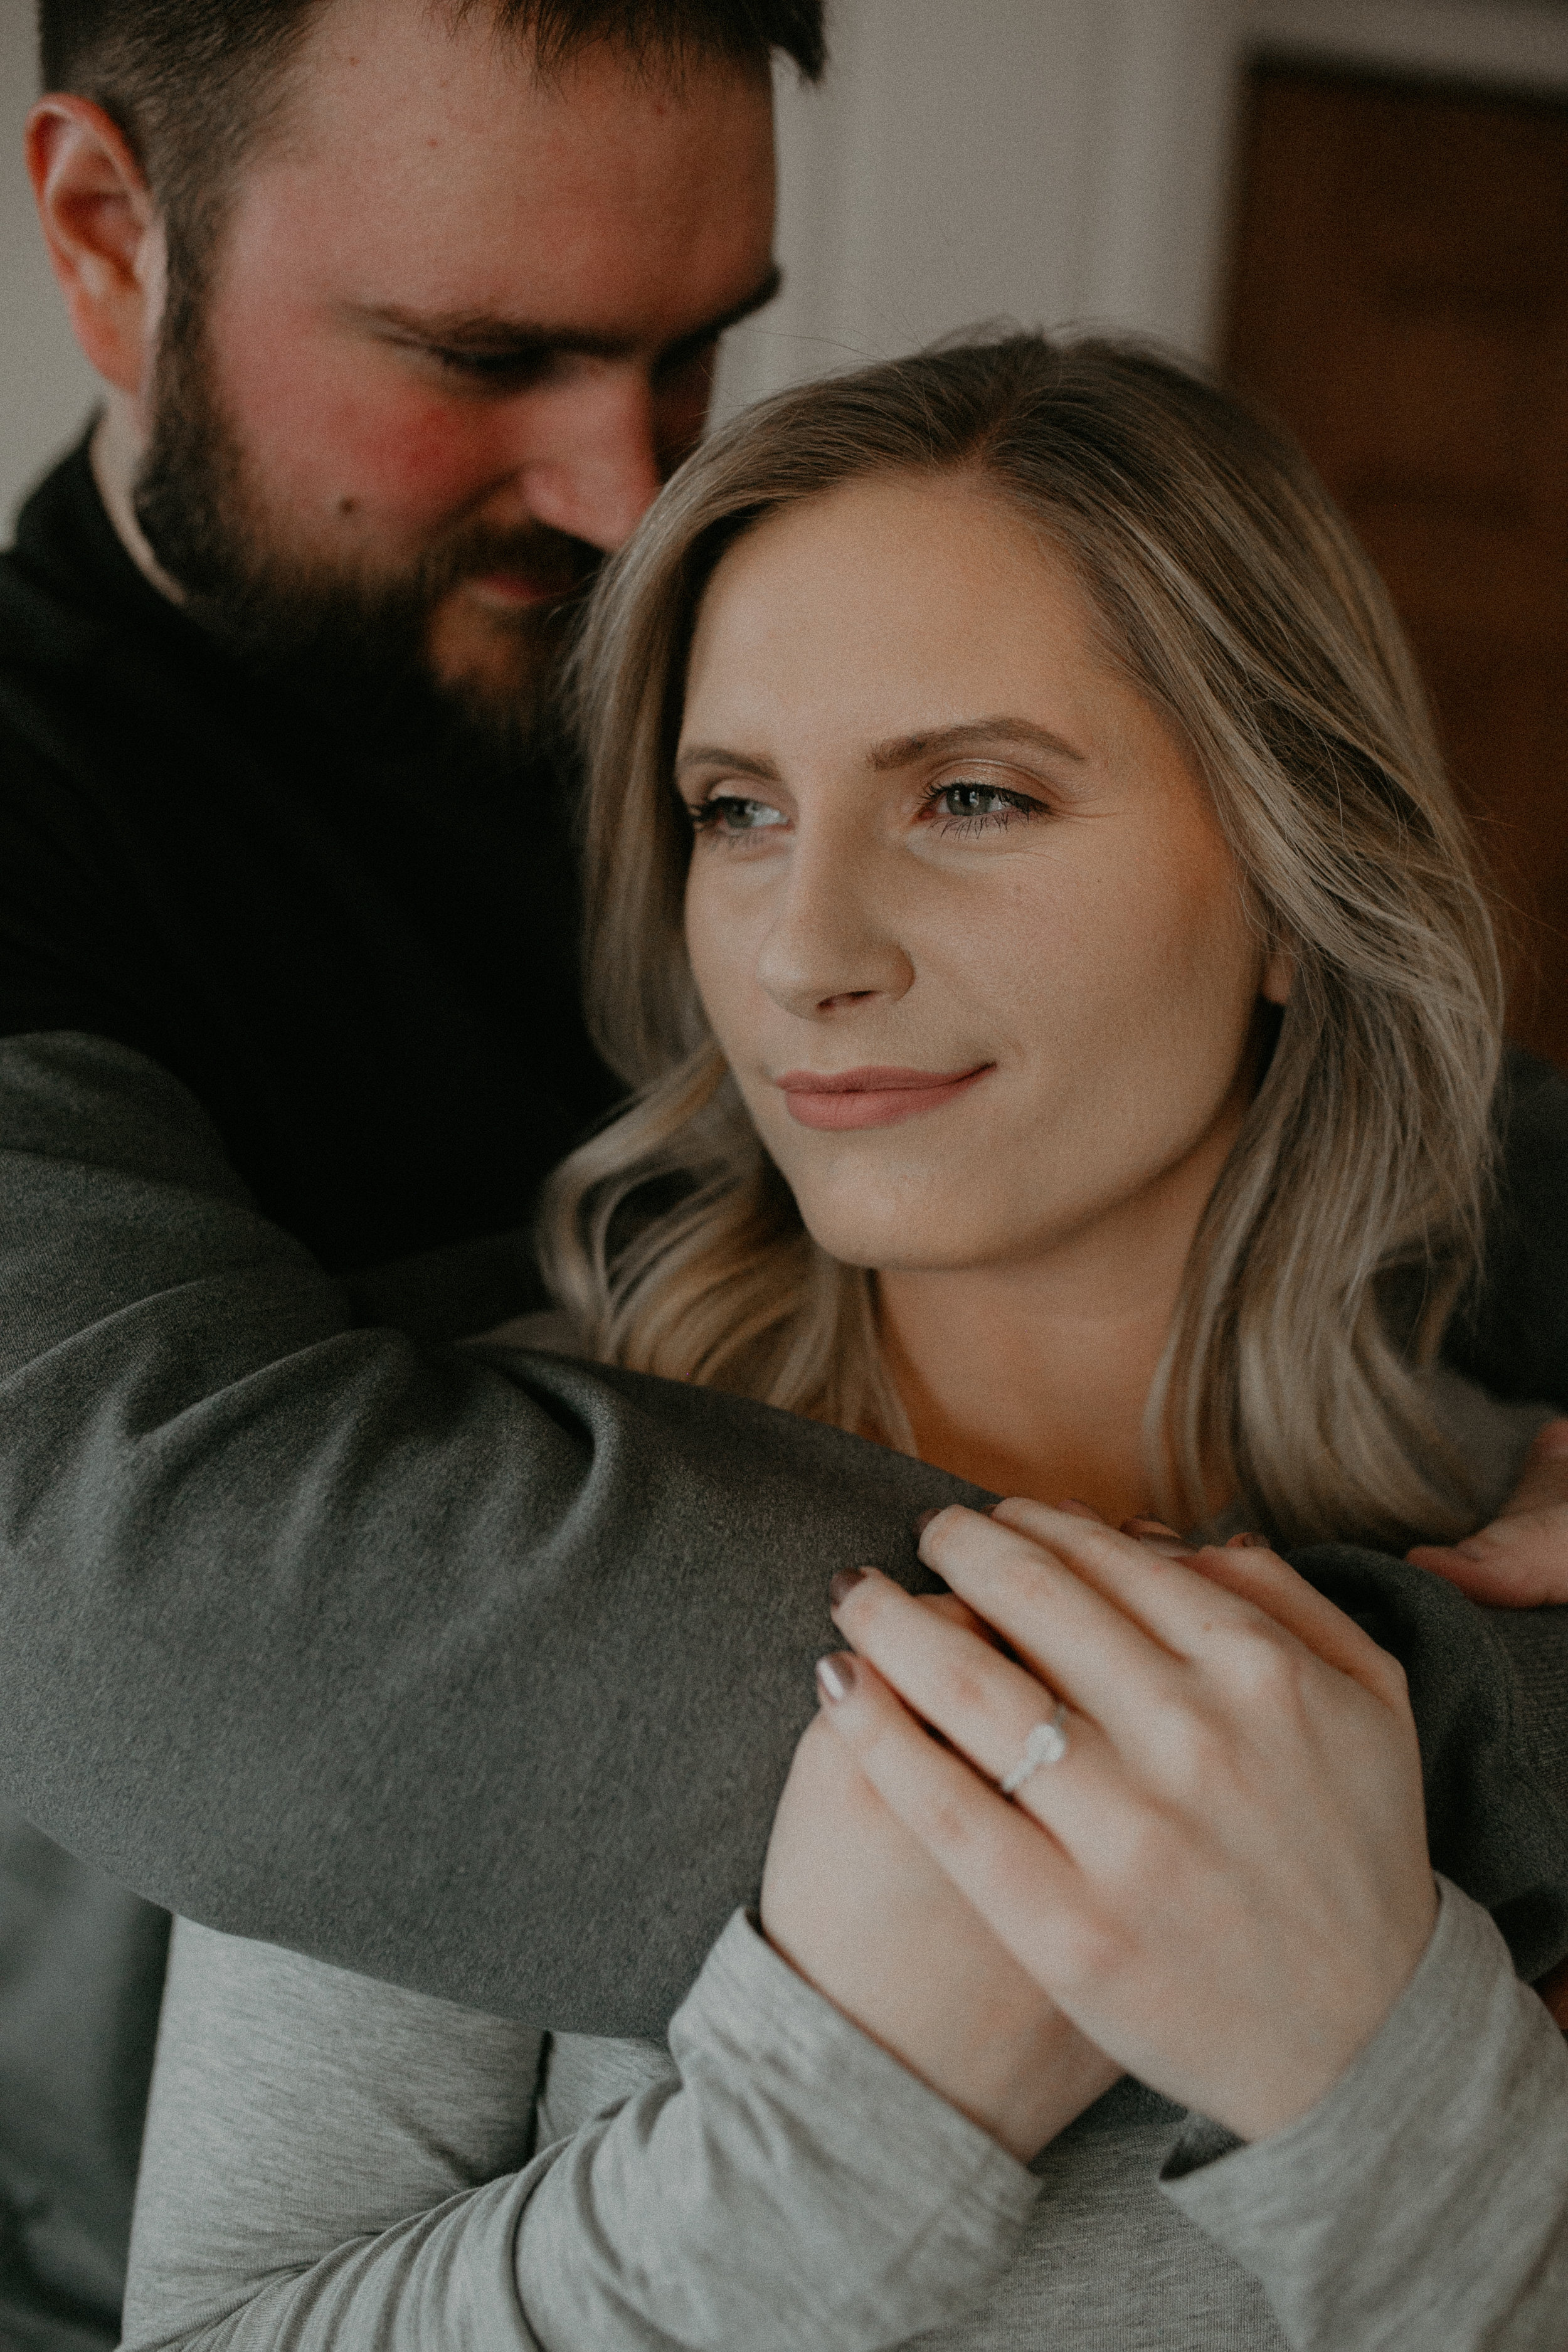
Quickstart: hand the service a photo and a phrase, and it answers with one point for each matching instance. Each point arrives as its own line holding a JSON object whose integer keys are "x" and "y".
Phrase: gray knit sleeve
{"x": 335, "y": 2163}
{"x": 1424, "y": 2201}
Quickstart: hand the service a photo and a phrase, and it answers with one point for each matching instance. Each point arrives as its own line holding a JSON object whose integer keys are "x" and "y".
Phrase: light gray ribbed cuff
{"x": 1424, "y": 2200}
{"x": 904, "y": 2211}
{"x": 790, "y": 2184}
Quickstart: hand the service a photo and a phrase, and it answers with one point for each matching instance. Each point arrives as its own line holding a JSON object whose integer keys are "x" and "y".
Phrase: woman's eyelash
{"x": 707, "y": 815}
{"x": 999, "y": 806}
{"x": 978, "y": 807}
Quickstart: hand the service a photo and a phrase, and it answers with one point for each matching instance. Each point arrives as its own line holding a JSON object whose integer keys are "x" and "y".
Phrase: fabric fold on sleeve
{"x": 798, "y": 2186}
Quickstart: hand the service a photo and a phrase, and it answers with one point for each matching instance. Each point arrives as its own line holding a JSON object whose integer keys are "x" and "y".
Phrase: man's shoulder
{"x": 1513, "y": 1336}
{"x": 77, "y": 747}
{"x": 1535, "y": 1102}
{"x": 1534, "y": 1187}
{"x": 56, "y": 637}
{"x": 85, "y": 642}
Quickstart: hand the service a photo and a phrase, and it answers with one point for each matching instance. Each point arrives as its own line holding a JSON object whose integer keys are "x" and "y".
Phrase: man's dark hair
{"x": 194, "y": 84}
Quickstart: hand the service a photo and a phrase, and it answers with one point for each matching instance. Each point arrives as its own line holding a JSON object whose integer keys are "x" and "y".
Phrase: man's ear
{"x": 102, "y": 233}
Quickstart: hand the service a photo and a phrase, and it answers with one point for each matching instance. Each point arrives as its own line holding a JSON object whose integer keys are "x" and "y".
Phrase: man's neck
{"x": 114, "y": 453}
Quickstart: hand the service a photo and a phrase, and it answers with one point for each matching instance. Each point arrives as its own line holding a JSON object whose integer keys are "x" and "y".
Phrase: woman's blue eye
{"x": 975, "y": 808}
{"x": 728, "y": 812}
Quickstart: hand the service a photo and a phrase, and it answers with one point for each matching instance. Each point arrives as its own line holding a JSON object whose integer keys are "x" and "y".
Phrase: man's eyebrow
{"x": 489, "y": 337}
{"x": 971, "y": 735}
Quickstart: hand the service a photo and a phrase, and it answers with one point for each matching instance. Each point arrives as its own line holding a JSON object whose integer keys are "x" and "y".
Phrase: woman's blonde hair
{"x": 1232, "y": 595}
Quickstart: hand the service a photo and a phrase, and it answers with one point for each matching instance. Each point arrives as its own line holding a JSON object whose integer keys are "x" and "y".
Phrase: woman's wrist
{"x": 1319, "y": 2048}
{"x": 1422, "y": 2198}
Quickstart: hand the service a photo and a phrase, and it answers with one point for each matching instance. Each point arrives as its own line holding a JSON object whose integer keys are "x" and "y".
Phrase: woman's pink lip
{"x": 869, "y": 1098}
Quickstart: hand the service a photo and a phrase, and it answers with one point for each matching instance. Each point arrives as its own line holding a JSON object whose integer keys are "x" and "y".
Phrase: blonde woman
{"x": 1063, "y": 1024}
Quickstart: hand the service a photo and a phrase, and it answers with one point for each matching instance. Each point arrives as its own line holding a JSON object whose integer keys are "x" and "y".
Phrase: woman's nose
{"x": 833, "y": 942}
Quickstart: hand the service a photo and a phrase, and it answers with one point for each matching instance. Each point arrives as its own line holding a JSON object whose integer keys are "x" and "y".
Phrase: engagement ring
{"x": 1046, "y": 1744}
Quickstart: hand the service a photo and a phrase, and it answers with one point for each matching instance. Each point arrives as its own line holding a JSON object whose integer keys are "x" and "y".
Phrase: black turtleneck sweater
{"x": 346, "y": 930}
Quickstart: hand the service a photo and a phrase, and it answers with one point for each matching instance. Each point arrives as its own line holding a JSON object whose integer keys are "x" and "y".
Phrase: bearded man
{"x": 403, "y": 314}
{"x": 404, "y": 311}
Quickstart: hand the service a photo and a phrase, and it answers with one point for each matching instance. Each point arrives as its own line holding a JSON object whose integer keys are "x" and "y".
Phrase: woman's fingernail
{"x": 1249, "y": 1543}
{"x": 1147, "y": 1527}
{"x": 924, "y": 1518}
{"x": 836, "y": 1674}
{"x": 1079, "y": 1511}
{"x": 840, "y": 1586}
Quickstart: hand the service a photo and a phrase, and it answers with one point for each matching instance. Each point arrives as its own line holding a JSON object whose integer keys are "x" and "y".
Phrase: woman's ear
{"x": 102, "y": 232}
{"x": 1279, "y": 974}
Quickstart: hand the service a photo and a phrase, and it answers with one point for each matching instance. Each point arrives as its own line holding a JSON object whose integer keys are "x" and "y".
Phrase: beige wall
{"x": 1056, "y": 160}
{"x": 971, "y": 160}
{"x": 46, "y": 386}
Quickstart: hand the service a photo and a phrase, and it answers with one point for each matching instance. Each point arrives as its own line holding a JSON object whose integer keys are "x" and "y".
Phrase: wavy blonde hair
{"x": 1232, "y": 595}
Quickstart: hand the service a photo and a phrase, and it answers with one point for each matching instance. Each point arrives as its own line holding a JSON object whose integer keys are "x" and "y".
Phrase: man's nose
{"x": 601, "y": 474}
{"x": 833, "y": 940}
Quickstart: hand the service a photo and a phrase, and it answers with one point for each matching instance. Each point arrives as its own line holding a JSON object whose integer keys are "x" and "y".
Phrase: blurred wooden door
{"x": 1400, "y": 298}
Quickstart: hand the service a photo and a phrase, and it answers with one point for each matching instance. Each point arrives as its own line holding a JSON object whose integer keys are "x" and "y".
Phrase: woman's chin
{"x": 895, "y": 1243}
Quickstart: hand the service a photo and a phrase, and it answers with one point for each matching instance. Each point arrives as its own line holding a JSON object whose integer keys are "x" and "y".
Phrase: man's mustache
{"x": 550, "y": 561}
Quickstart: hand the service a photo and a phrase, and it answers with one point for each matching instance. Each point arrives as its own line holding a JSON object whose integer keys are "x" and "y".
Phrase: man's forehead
{"x": 391, "y": 72}
{"x": 430, "y": 169}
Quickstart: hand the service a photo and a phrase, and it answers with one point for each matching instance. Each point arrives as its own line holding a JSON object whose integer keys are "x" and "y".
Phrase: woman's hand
{"x": 1522, "y": 1560}
{"x": 1224, "y": 1880}
{"x": 855, "y": 1903}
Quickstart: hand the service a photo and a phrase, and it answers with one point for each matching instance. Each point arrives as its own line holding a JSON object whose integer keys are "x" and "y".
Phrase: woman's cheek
{"x": 716, "y": 948}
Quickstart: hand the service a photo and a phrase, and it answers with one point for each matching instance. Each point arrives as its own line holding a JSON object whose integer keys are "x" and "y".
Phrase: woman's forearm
{"x": 797, "y": 2188}
{"x": 333, "y": 2164}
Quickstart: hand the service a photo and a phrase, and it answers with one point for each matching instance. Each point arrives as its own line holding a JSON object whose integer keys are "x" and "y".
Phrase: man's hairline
{"x": 267, "y": 134}
{"x": 270, "y": 128}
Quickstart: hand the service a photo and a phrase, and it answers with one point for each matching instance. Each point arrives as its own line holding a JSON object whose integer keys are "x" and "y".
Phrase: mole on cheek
{"x": 348, "y": 506}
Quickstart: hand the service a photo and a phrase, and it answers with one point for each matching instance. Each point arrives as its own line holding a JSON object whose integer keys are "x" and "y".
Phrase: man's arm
{"x": 389, "y": 1652}
{"x": 385, "y": 1653}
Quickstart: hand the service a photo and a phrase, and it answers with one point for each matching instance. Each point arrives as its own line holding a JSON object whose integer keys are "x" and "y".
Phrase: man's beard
{"x": 333, "y": 629}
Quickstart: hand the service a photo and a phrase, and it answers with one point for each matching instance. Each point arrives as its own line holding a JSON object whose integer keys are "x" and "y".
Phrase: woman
{"x": 1064, "y": 1019}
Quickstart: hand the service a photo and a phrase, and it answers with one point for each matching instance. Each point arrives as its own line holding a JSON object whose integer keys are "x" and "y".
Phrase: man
{"x": 315, "y": 1628}
{"x": 403, "y": 318}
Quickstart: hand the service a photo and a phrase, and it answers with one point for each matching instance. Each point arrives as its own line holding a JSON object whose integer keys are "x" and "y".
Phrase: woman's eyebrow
{"x": 971, "y": 735}
{"x": 714, "y": 755}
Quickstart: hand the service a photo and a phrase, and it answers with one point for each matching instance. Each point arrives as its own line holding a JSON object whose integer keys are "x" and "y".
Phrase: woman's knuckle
{"x": 1261, "y": 1667}
{"x": 1193, "y": 1746}
{"x": 970, "y": 1688}
{"x": 1018, "y": 1571}
{"x": 1093, "y": 1949}
{"x": 1143, "y": 1850}
{"x": 950, "y": 1821}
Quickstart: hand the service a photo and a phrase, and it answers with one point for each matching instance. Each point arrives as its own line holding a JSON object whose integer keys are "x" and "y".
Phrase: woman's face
{"x": 959, "y": 910}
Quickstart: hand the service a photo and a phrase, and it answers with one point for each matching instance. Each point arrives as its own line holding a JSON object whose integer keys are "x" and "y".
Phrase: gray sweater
{"x": 334, "y": 2163}
{"x": 331, "y": 2162}
{"x": 288, "y": 1587}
